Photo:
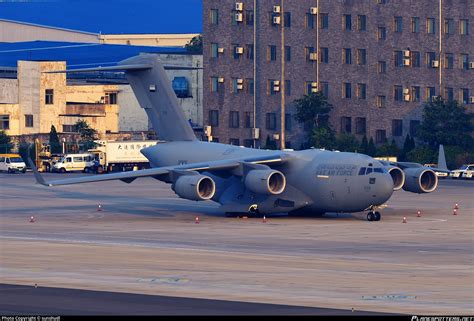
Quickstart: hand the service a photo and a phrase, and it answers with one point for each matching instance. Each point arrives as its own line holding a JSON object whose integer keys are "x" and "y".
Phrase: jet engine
{"x": 398, "y": 177}
{"x": 195, "y": 187}
{"x": 265, "y": 181}
{"x": 420, "y": 180}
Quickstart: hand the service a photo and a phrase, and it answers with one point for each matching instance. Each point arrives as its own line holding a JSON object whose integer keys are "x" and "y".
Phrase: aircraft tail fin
{"x": 442, "y": 158}
{"x": 156, "y": 96}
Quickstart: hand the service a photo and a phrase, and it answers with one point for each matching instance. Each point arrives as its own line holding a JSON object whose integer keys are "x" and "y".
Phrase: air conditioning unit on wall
{"x": 276, "y": 20}
{"x": 276, "y": 9}
{"x": 239, "y": 17}
{"x": 239, "y": 6}
{"x": 313, "y": 10}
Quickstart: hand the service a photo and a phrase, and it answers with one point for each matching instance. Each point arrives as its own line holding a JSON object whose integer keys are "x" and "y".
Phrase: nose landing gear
{"x": 373, "y": 216}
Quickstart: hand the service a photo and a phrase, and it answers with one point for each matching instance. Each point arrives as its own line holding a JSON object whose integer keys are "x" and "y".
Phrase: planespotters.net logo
{"x": 416, "y": 318}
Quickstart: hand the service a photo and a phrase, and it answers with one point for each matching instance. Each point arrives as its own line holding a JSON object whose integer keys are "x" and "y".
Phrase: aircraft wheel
{"x": 62, "y": 170}
{"x": 370, "y": 217}
{"x": 377, "y": 216}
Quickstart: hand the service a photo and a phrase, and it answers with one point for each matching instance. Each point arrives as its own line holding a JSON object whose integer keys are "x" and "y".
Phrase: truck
{"x": 118, "y": 156}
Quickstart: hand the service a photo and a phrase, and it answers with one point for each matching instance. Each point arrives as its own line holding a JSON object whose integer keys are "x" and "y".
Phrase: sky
{"x": 107, "y": 16}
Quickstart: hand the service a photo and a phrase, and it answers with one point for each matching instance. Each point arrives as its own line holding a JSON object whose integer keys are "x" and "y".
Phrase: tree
{"x": 408, "y": 145}
{"x": 313, "y": 110}
{"x": 88, "y": 134}
{"x": 422, "y": 155}
{"x": 323, "y": 137}
{"x": 5, "y": 142}
{"x": 371, "y": 149}
{"x": 347, "y": 143}
{"x": 364, "y": 145}
{"x": 448, "y": 123}
{"x": 54, "y": 141}
{"x": 194, "y": 46}
{"x": 270, "y": 143}
{"x": 388, "y": 149}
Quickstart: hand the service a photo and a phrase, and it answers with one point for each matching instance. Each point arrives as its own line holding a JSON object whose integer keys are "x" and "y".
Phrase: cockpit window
{"x": 362, "y": 171}
{"x": 378, "y": 170}
{"x": 369, "y": 170}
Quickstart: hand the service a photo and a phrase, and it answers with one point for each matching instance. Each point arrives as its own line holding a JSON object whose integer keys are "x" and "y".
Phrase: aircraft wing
{"x": 128, "y": 177}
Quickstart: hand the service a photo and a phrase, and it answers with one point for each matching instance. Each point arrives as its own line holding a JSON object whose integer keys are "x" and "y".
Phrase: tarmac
{"x": 144, "y": 240}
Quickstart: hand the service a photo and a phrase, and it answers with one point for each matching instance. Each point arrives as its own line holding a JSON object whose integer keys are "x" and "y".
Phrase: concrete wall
{"x": 11, "y": 31}
{"x": 158, "y": 40}
{"x": 132, "y": 116}
{"x": 9, "y": 91}
{"x": 89, "y": 93}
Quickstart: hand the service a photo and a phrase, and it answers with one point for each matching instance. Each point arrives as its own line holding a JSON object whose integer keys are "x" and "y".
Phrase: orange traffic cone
{"x": 99, "y": 207}
{"x": 456, "y": 206}
{"x": 418, "y": 214}
{"x": 32, "y": 219}
{"x": 264, "y": 219}
{"x": 404, "y": 219}
{"x": 455, "y": 212}
{"x": 196, "y": 221}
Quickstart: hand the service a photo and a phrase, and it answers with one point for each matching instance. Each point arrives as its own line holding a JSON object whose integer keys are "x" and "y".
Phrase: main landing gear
{"x": 373, "y": 216}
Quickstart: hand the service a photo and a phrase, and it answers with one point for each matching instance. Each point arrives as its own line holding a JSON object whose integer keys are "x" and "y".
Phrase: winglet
{"x": 39, "y": 178}
{"x": 442, "y": 159}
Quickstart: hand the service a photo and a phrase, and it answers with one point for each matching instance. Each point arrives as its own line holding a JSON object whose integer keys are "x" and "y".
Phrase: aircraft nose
{"x": 385, "y": 187}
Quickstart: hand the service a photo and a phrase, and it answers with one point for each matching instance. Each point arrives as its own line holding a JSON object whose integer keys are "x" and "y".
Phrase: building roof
{"x": 76, "y": 55}
{"x": 105, "y": 17}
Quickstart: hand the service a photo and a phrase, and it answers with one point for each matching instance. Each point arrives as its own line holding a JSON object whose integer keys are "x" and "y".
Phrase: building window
{"x": 249, "y": 17}
{"x": 307, "y": 52}
{"x": 271, "y": 121}
{"x": 248, "y": 119}
{"x": 361, "y": 56}
{"x": 415, "y": 93}
{"x": 449, "y": 93}
{"x": 214, "y": 84}
{"x": 361, "y": 23}
{"x": 250, "y": 86}
{"x": 380, "y": 136}
{"x": 449, "y": 26}
{"x": 415, "y": 24}
{"x": 324, "y": 86}
{"x": 272, "y": 16}
{"x": 214, "y": 16}
{"x": 214, "y": 50}
{"x": 398, "y": 93}
{"x": 237, "y": 55}
{"x": 310, "y": 21}
{"x": 415, "y": 59}
{"x": 288, "y": 87}
{"x": 234, "y": 119}
{"x": 397, "y": 127}
{"x": 324, "y": 21}
{"x": 382, "y": 67}
{"x": 287, "y": 53}
{"x": 234, "y": 141}
{"x": 398, "y": 58}
{"x": 235, "y": 85}
{"x": 250, "y": 51}
{"x": 465, "y": 61}
{"x": 414, "y": 125}
{"x": 69, "y": 129}
{"x": 287, "y": 19}
{"x": 346, "y": 125}
{"x": 381, "y": 101}
{"x": 273, "y": 87}
{"x": 324, "y": 55}
{"x": 214, "y": 118}
{"x": 381, "y": 33}
{"x": 347, "y": 22}
{"x": 215, "y": 139}
{"x": 449, "y": 61}
{"x": 347, "y": 90}
{"x": 49, "y": 96}
{"x": 288, "y": 122}
{"x": 111, "y": 98}
{"x": 248, "y": 143}
{"x": 347, "y": 56}
{"x": 430, "y": 93}
{"x": 430, "y": 57}
{"x": 464, "y": 27}
{"x": 397, "y": 24}
{"x": 464, "y": 95}
{"x": 271, "y": 53}
{"x": 361, "y": 91}
{"x": 430, "y": 26}
{"x": 4, "y": 122}
{"x": 360, "y": 125}
{"x": 309, "y": 87}
{"x": 28, "y": 120}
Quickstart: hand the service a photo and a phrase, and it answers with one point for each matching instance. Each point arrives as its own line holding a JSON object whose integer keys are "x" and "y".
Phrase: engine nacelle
{"x": 195, "y": 187}
{"x": 398, "y": 177}
{"x": 420, "y": 180}
{"x": 265, "y": 181}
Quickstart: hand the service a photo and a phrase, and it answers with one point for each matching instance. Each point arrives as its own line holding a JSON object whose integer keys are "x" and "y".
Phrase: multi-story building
{"x": 377, "y": 61}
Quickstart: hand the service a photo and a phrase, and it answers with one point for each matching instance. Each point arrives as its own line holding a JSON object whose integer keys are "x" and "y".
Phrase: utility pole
{"x": 282, "y": 83}
{"x": 254, "y": 73}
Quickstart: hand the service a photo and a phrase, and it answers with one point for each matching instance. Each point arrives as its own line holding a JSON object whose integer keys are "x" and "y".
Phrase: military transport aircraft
{"x": 254, "y": 181}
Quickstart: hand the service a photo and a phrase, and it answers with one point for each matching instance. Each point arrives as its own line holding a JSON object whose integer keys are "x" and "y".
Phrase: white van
{"x": 74, "y": 162}
{"x": 12, "y": 163}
